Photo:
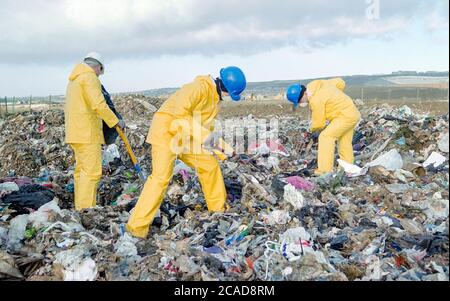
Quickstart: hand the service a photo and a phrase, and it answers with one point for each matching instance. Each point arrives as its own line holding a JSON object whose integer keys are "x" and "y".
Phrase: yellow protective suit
{"x": 328, "y": 102}
{"x": 85, "y": 108}
{"x": 87, "y": 174}
{"x": 174, "y": 133}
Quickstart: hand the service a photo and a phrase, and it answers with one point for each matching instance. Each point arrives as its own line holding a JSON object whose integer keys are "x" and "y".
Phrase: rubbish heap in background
{"x": 383, "y": 218}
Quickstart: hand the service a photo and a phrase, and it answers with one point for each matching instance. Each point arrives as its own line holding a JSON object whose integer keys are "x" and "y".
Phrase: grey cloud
{"x": 55, "y": 31}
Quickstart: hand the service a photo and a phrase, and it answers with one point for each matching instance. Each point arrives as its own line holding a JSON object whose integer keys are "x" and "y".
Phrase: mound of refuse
{"x": 383, "y": 218}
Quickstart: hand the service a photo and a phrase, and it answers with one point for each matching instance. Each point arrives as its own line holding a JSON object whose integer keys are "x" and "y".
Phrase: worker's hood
{"x": 80, "y": 69}
{"x": 208, "y": 81}
{"x": 338, "y": 82}
{"x": 314, "y": 86}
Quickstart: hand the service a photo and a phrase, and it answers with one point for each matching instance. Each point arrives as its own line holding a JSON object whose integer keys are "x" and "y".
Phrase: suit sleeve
{"x": 96, "y": 100}
{"x": 318, "y": 115}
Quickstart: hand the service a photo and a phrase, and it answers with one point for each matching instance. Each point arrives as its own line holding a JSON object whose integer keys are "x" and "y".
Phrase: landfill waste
{"x": 110, "y": 154}
{"x": 8, "y": 187}
{"x": 76, "y": 265}
{"x": 293, "y": 197}
{"x": 398, "y": 188}
{"x": 40, "y": 218}
{"x": 434, "y": 160}
{"x": 300, "y": 183}
{"x": 31, "y": 196}
{"x": 16, "y": 231}
{"x": 350, "y": 169}
{"x": 279, "y": 217}
{"x": 444, "y": 143}
{"x": 391, "y": 160}
{"x": 383, "y": 218}
{"x": 8, "y": 267}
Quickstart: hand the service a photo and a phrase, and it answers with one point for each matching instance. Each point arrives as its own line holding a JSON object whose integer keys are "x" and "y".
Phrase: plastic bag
{"x": 435, "y": 159}
{"x": 443, "y": 144}
{"x": 9, "y": 186}
{"x": 110, "y": 153}
{"x": 293, "y": 197}
{"x": 126, "y": 246}
{"x": 278, "y": 217}
{"x": 300, "y": 183}
{"x": 16, "y": 232}
{"x": 77, "y": 265}
{"x": 40, "y": 217}
{"x": 350, "y": 169}
{"x": 391, "y": 160}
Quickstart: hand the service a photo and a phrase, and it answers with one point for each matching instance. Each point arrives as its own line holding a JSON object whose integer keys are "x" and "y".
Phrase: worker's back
{"x": 328, "y": 95}
{"x": 198, "y": 96}
{"x": 194, "y": 102}
{"x": 82, "y": 124}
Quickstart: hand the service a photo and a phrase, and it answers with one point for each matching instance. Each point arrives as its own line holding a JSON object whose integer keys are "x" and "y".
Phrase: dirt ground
{"x": 276, "y": 107}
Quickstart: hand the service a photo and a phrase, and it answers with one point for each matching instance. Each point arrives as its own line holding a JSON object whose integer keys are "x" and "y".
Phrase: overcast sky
{"x": 165, "y": 43}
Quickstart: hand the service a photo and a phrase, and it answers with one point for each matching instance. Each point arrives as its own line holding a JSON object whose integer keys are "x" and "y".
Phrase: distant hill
{"x": 395, "y": 81}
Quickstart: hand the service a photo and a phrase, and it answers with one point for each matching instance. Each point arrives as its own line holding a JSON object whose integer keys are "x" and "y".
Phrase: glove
{"x": 212, "y": 141}
{"x": 315, "y": 136}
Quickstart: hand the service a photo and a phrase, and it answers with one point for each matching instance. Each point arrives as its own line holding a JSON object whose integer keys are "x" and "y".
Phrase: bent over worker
{"x": 193, "y": 108}
{"x": 85, "y": 109}
{"x": 328, "y": 103}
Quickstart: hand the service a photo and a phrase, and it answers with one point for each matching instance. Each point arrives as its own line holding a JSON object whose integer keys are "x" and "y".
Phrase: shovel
{"x": 137, "y": 167}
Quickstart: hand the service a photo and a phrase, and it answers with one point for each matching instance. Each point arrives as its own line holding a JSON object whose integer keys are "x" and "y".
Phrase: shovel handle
{"x": 127, "y": 144}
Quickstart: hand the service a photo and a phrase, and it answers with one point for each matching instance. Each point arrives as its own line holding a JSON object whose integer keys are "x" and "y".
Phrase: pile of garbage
{"x": 384, "y": 218}
{"x": 30, "y": 141}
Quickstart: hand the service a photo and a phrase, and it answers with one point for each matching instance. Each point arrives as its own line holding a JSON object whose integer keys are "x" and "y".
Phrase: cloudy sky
{"x": 165, "y": 43}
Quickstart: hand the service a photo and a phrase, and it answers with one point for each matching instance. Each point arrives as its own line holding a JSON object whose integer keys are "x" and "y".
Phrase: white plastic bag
{"x": 391, "y": 160}
{"x": 443, "y": 144}
{"x": 434, "y": 159}
{"x": 110, "y": 153}
{"x": 278, "y": 217}
{"x": 77, "y": 264}
{"x": 16, "y": 232}
{"x": 40, "y": 217}
{"x": 293, "y": 197}
{"x": 350, "y": 169}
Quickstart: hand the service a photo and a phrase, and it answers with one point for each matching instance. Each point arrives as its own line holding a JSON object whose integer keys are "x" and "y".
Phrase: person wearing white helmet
{"x": 95, "y": 61}
{"x": 85, "y": 110}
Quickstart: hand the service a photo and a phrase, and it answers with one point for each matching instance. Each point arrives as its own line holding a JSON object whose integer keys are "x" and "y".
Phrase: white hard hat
{"x": 96, "y": 56}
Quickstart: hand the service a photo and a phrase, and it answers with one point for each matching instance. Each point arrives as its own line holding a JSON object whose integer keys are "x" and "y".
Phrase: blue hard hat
{"x": 234, "y": 81}
{"x": 295, "y": 93}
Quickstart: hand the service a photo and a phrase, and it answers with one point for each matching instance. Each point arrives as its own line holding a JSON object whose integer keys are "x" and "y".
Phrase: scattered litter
{"x": 391, "y": 160}
{"x": 293, "y": 197}
{"x": 76, "y": 265}
{"x": 398, "y": 188}
{"x": 443, "y": 143}
{"x": 278, "y": 217}
{"x": 383, "y": 218}
{"x": 434, "y": 159}
{"x": 300, "y": 183}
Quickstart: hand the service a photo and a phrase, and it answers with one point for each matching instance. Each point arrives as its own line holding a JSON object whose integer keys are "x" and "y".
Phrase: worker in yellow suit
{"x": 328, "y": 103}
{"x": 182, "y": 128}
{"x": 85, "y": 108}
